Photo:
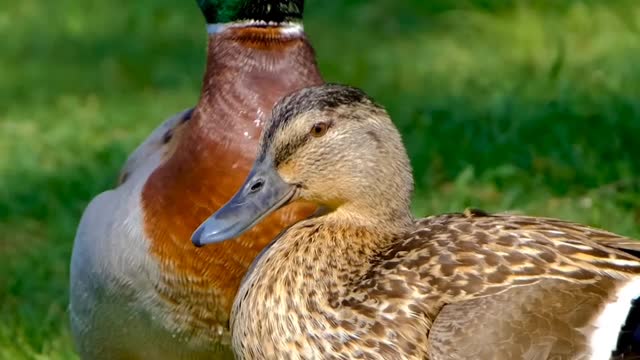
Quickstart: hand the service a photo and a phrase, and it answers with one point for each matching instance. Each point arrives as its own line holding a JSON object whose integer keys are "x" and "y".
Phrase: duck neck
{"x": 346, "y": 238}
{"x": 391, "y": 219}
{"x": 327, "y": 249}
{"x": 308, "y": 274}
{"x": 248, "y": 69}
{"x": 344, "y": 247}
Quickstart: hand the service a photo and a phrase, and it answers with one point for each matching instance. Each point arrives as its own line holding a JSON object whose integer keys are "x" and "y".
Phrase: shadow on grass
{"x": 38, "y": 217}
{"x": 114, "y": 48}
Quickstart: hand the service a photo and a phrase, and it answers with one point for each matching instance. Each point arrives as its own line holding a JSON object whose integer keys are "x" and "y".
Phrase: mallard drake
{"x": 365, "y": 279}
{"x": 139, "y": 289}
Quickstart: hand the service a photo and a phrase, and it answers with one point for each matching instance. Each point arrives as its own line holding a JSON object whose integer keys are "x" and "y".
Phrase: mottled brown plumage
{"x": 367, "y": 280}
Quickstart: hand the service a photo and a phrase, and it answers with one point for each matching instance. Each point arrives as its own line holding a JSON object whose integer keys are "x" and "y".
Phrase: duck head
{"x": 267, "y": 11}
{"x": 330, "y": 145}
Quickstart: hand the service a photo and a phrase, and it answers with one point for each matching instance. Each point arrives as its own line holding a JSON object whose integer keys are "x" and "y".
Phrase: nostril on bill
{"x": 256, "y": 186}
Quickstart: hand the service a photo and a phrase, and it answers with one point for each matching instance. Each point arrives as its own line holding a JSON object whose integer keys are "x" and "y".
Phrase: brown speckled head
{"x": 328, "y": 140}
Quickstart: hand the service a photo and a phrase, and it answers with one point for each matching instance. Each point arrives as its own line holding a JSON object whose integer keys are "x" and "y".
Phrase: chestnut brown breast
{"x": 207, "y": 159}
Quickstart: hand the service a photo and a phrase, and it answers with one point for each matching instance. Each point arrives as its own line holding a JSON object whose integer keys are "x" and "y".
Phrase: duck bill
{"x": 262, "y": 193}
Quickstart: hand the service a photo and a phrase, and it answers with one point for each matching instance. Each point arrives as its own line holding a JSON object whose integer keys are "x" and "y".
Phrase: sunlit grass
{"x": 503, "y": 106}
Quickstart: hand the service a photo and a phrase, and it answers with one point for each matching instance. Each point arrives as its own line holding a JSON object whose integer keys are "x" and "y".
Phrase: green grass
{"x": 503, "y": 105}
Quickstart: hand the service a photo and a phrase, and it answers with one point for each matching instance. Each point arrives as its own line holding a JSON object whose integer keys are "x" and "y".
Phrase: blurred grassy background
{"x": 504, "y": 105}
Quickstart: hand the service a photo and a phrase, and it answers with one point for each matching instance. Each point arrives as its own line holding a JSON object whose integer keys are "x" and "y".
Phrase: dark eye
{"x": 319, "y": 129}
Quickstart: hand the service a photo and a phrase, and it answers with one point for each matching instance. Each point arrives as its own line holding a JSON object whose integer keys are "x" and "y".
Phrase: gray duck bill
{"x": 262, "y": 193}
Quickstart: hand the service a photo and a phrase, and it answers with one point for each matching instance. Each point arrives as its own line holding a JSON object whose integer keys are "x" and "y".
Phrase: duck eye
{"x": 319, "y": 129}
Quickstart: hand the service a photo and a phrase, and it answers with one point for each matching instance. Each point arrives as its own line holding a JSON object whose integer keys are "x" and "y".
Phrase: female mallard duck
{"x": 364, "y": 279}
{"x": 139, "y": 289}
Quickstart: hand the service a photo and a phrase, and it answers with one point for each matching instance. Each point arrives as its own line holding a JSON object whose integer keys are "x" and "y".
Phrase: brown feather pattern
{"x": 383, "y": 304}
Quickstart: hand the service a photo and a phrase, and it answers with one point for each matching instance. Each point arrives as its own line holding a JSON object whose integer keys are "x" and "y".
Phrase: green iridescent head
{"x": 275, "y": 11}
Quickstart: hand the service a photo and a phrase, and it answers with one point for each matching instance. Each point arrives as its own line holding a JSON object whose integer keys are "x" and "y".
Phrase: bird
{"x": 363, "y": 278}
{"x": 138, "y": 287}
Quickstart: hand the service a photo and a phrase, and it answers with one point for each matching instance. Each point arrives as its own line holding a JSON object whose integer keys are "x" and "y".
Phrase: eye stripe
{"x": 285, "y": 152}
{"x": 320, "y": 98}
